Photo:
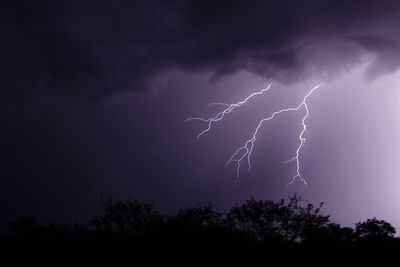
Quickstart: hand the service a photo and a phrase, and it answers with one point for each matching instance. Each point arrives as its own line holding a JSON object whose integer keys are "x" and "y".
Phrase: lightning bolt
{"x": 221, "y": 115}
{"x": 244, "y": 152}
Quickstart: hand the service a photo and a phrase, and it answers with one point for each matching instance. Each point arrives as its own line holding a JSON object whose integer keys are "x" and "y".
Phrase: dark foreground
{"x": 256, "y": 233}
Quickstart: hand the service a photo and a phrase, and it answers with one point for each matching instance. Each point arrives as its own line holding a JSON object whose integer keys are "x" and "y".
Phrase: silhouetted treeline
{"x": 255, "y": 233}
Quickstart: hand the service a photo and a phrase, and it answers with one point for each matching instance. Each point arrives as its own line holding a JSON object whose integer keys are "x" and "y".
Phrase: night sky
{"x": 93, "y": 97}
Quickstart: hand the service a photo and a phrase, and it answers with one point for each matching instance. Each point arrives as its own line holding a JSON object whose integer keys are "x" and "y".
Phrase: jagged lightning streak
{"x": 248, "y": 146}
{"x": 245, "y": 151}
{"x": 221, "y": 115}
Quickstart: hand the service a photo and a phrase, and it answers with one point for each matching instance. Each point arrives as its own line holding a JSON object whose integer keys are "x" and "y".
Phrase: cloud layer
{"x": 99, "y": 48}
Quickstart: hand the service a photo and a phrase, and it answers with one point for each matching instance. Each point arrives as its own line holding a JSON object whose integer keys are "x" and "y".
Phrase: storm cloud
{"x": 99, "y": 48}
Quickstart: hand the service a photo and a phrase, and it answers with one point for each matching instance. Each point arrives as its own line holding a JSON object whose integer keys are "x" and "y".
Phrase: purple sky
{"x": 94, "y": 94}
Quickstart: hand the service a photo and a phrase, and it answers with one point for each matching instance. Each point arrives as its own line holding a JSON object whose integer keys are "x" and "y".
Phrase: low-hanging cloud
{"x": 92, "y": 49}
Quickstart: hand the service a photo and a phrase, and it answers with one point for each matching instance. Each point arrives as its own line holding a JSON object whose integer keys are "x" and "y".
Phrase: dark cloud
{"x": 97, "y": 48}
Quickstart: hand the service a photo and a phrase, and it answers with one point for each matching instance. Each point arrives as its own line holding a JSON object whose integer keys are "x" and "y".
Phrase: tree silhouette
{"x": 198, "y": 216}
{"x": 266, "y": 219}
{"x": 126, "y": 217}
{"x": 373, "y": 229}
{"x": 255, "y": 233}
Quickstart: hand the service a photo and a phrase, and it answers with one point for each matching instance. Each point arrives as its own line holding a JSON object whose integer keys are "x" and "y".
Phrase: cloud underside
{"x": 92, "y": 49}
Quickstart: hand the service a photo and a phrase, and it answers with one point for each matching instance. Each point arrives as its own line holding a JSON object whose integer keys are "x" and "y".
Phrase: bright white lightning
{"x": 245, "y": 151}
{"x": 221, "y": 115}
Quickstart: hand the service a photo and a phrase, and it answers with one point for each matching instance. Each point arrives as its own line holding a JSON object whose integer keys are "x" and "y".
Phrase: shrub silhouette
{"x": 330, "y": 232}
{"x": 27, "y": 228}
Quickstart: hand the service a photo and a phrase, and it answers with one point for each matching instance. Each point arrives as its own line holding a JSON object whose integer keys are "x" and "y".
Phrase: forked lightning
{"x": 244, "y": 152}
